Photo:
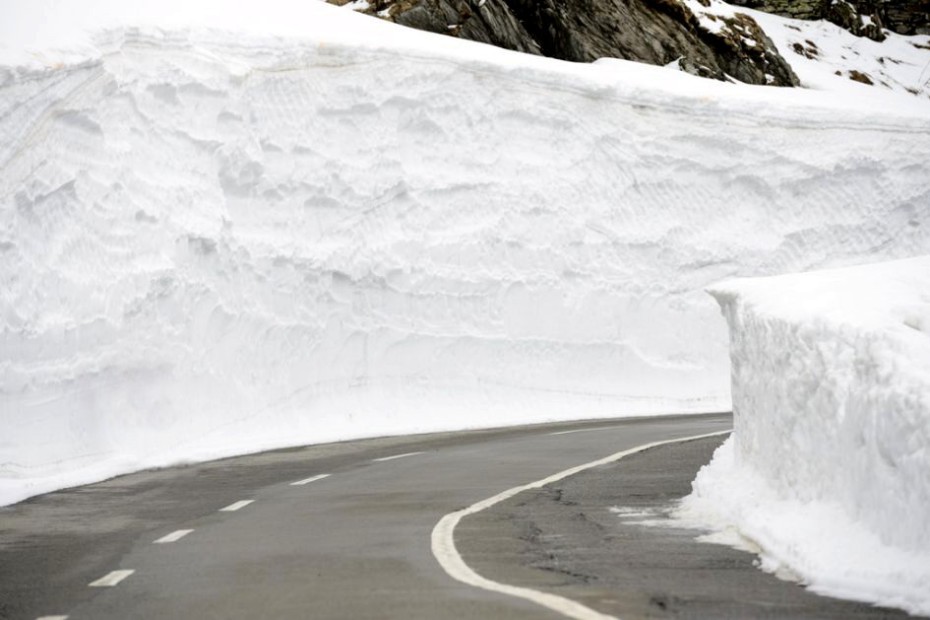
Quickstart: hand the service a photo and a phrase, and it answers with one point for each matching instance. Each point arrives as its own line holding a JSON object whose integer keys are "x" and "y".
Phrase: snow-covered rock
{"x": 828, "y": 57}
{"x": 652, "y": 32}
{"x": 302, "y": 224}
{"x": 901, "y": 16}
{"x": 828, "y": 470}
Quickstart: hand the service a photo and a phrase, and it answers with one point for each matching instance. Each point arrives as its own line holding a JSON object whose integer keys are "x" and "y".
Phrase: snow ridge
{"x": 217, "y": 243}
{"x": 827, "y": 470}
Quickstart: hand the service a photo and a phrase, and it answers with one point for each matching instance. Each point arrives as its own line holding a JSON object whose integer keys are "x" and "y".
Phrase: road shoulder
{"x": 565, "y": 539}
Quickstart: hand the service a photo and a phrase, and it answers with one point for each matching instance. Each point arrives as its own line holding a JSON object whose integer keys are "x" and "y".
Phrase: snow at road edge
{"x": 828, "y": 470}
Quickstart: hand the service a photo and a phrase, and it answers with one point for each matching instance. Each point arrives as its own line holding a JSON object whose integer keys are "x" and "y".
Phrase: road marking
{"x": 584, "y": 430}
{"x": 237, "y": 505}
{"x": 52, "y": 618}
{"x": 111, "y": 579}
{"x": 173, "y": 536}
{"x": 443, "y": 540}
{"x": 309, "y": 480}
{"x": 396, "y": 456}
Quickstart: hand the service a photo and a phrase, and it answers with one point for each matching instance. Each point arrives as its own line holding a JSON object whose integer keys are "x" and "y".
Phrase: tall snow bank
{"x": 302, "y": 224}
{"x": 828, "y": 470}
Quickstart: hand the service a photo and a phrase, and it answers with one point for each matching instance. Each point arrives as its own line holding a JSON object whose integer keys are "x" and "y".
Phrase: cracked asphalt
{"x": 565, "y": 539}
{"x": 267, "y": 536}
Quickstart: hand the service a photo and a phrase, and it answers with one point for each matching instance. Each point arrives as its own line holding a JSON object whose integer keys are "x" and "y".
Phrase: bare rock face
{"x": 798, "y": 9}
{"x": 864, "y": 18}
{"x": 653, "y": 31}
{"x": 487, "y": 21}
{"x": 906, "y": 16}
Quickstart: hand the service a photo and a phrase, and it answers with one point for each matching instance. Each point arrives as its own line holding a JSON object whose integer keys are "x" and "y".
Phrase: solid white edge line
{"x": 237, "y": 505}
{"x": 309, "y": 480}
{"x": 443, "y": 539}
{"x": 396, "y": 456}
{"x": 111, "y": 579}
{"x": 172, "y": 537}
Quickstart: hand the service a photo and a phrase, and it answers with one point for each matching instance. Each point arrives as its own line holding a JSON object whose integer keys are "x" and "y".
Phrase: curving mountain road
{"x": 267, "y": 536}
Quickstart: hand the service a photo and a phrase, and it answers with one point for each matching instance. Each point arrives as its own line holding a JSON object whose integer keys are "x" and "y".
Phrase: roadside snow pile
{"x": 302, "y": 225}
{"x": 828, "y": 470}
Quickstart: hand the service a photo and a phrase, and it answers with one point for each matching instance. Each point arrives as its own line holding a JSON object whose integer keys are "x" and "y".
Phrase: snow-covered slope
{"x": 304, "y": 225}
{"x": 828, "y": 470}
{"x": 830, "y": 59}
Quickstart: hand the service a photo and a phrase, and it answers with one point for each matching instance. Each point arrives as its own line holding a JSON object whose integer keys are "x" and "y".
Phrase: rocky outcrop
{"x": 653, "y": 31}
{"x": 907, "y": 16}
{"x": 861, "y": 17}
{"x": 863, "y": 20}
{"x": 487, "y": 21}
{"x": 798, "y": 9}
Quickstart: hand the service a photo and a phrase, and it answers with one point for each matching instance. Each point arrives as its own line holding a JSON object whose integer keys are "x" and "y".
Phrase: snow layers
{"x": 828, "y": 470}
{"x": 221, "y": 243}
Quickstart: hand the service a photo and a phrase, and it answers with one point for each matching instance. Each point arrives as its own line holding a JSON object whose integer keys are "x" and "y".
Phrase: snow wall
{"x": 217, "y": 243}
{"x": 828, "y": 470}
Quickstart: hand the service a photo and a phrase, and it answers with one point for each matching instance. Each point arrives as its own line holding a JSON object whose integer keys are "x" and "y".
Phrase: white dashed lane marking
{"x": 52, "y": 618}
{"x": 396, "y": 456}
{"x": 309, "y": 480}
{"x": 173, "y": 536}
{"x": 237, "y": 505}
{"x": 111, "y": 579}
{"x": 583, "y": 430}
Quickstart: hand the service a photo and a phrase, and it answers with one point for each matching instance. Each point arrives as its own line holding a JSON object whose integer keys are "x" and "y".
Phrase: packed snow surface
{"x": 828, "y": 470}
{"x": 302, "y": 224}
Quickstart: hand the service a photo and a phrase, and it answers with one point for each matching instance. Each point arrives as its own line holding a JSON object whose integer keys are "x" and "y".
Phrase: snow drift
{"x": 828, "y": 470}
{"x": 305, "y": 225}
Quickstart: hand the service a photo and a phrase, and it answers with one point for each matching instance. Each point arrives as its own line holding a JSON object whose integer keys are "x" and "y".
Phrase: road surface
{"x": 333, "y": 531}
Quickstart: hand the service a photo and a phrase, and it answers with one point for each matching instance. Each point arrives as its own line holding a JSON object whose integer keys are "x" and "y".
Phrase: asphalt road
{"x": 606, "y": 538}
{"x": 355, "y": 544}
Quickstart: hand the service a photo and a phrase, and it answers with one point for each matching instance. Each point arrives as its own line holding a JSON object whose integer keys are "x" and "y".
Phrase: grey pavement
{"x": 636, "y": 562}
{"x": 353, "y": 545}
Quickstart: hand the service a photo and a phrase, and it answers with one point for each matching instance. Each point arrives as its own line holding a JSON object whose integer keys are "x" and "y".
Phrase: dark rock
{"x": 855, "y": 20}
{"x": 901, "y": 16}
{"x": 490, "y": 21}
{"x": 798, "y": 9}
{"x": 858, "y": 76}
{"x": 907, "y": 16}
{"x": 653, "y": 31}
